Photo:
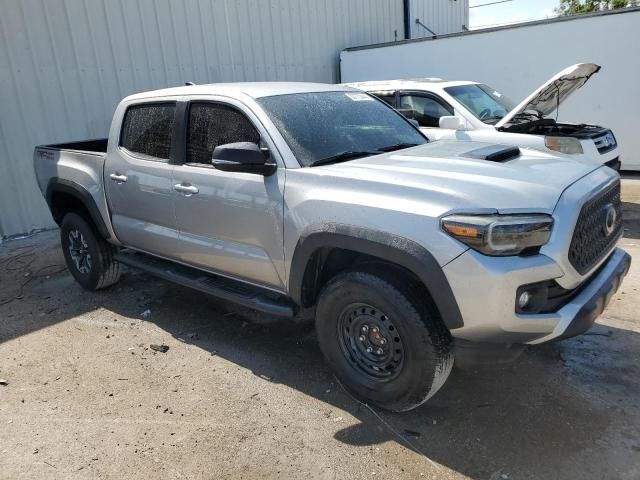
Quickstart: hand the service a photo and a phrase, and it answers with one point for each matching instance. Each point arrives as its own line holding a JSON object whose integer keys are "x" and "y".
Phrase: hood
{"x": 443, "y": 173}
{"x": 547, "y": 97}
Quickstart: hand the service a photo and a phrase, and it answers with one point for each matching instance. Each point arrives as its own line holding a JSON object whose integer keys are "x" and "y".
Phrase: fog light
{"x": 523, "y": 300}
{"x": 532, "y": 298}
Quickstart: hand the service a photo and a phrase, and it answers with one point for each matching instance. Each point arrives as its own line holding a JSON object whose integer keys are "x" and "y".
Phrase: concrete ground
{"x": 237, "y": 396}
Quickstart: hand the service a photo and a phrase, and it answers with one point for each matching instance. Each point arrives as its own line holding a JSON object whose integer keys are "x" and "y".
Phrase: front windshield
{"x": 487, "y": 104}
{"x": 324, "y": 125}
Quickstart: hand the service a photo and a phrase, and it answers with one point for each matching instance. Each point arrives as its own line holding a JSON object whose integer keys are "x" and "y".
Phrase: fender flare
{"x": 60, "y": 185}
{"x": 392, "y": 248}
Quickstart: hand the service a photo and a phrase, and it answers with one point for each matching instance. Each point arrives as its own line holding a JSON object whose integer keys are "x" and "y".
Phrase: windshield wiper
{"x": 343, "y": 156}
{"x": 397, "y": 146}
{"x": 493, "y": 120}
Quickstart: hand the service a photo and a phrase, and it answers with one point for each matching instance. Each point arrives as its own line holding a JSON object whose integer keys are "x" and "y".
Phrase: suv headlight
{"x": 499, "y": 235}
{"x": 568, "y": 145}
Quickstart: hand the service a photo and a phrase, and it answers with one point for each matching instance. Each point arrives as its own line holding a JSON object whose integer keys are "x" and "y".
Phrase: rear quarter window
{"x": 147, "y": 130}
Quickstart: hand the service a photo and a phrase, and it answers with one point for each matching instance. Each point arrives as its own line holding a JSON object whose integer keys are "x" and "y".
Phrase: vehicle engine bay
{"x": 548, "y": 126}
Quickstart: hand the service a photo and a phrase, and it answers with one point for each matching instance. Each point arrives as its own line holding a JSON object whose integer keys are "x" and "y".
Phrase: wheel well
{"x": 327, "y": 249}
{"x": 62, "y": 203}
{"x": 64, "y": 196}
{"x": 325, "y": 263}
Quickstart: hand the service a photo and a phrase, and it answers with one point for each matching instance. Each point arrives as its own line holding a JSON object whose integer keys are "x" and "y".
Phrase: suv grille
{"x": 597, "y": 229}
{"x": 605, "y": 143}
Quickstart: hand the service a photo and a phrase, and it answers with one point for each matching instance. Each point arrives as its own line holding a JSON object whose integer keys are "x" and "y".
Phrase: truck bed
{"x": 79, "y": 161}
{"x": 74, "y": 168}
{"x": 96, "y": 145}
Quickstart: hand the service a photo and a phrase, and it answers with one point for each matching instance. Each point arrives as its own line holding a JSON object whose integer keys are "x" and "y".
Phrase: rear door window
{"x": 214, "y": 124}
{"x": 147, "y": 130}
{"x": 425, "y": 109}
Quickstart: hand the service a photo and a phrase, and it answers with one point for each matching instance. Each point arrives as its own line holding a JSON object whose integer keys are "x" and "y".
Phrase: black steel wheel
{"x": 387, "y": 347}
{"x": 371, "y": 341}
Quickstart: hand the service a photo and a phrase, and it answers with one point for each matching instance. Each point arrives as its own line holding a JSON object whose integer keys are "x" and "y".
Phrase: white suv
{"x": 472, "y": 111}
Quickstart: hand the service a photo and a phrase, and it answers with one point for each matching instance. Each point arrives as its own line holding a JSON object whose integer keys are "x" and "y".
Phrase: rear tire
{"x": 386, "y": 346}
{"x": 88, "y": 256}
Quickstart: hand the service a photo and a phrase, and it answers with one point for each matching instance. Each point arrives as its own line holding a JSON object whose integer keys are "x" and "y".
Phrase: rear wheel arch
{"x": 64, "y": 196}
{"x": 326, "y": 250}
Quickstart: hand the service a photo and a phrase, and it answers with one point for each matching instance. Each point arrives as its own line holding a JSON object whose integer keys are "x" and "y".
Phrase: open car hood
{"x": 546, "y": 98}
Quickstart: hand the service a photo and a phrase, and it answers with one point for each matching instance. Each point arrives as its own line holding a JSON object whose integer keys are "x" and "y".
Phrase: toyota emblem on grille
{"x": 610, "y": 218}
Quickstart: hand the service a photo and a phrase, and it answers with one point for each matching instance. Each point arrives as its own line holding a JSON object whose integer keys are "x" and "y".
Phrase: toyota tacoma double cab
{"x": 283, "y": 196}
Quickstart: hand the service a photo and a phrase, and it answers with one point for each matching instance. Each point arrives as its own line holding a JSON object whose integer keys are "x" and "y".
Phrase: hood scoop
{"x": 494, "y": 153}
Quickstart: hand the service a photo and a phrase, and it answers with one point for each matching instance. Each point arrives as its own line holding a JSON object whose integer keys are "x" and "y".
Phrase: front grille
{"x": 597, "y": 229}
{"x": 605, "y": 143}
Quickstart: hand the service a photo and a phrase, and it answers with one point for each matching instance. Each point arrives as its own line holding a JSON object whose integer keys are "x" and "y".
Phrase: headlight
{"x": 568, "y": 145}
{"x": 499, "y": 235}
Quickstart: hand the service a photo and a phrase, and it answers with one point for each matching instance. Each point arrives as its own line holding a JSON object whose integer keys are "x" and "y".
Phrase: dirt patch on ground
{"x": 87, "y": 396}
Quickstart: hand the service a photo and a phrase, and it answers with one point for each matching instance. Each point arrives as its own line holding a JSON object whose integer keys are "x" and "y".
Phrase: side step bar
{"x": 246, "y": 295}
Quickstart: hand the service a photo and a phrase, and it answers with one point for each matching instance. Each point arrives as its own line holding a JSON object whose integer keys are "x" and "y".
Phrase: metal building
{"x": 65, "y": 64}
{"x": 437, "y": 17}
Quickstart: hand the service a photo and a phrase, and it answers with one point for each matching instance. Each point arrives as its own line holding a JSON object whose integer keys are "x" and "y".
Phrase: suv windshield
{"x": 484, "y": 102}
{"x": 328, "y": 127}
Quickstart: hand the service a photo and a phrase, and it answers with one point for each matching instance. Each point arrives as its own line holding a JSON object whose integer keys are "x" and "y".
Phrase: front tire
{"x": 387, "y": 346}
{"x": 88, "y": 256}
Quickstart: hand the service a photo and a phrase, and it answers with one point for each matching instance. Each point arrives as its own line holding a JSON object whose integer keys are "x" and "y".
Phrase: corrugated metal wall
{"x": 65, "y": 64}
{"x": 441, "y": 16}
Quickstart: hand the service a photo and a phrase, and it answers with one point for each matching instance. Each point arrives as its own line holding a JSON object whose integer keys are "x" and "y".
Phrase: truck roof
{"x": 252, "y": 89}
{"x": 406, "y": 84}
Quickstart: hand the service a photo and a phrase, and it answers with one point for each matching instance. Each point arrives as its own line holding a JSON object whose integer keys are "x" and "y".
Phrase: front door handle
{"x": 118, "y": 178}
{"x": 186, "y": 189}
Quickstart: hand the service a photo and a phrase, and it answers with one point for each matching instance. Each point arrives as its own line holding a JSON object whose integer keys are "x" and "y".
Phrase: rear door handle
{"x": 186, "y": 189}
{"x": 118, "y": 178}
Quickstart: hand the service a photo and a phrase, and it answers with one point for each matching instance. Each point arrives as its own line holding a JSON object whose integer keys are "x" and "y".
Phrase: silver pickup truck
{"x": 281, "y": 196}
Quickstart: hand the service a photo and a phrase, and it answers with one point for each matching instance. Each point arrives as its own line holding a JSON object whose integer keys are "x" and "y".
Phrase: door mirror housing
{"x": 451, "y": 123}
{"x": 244, "y": 157}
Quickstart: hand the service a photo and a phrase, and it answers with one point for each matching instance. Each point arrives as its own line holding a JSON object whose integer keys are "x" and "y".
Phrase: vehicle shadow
{"x": 543, "y": 416}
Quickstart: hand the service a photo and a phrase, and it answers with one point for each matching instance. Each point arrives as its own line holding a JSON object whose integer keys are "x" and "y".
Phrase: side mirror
{"x": 451, "y": 123}
{"x": 414, "y": 122}
{"x": 242, "y": 157}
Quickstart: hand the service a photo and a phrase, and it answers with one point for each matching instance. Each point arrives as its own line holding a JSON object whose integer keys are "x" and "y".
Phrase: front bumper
{"x": 592, "y": 299}
{"x": 616, "y": 164}
{"x": 485, "y": 288}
